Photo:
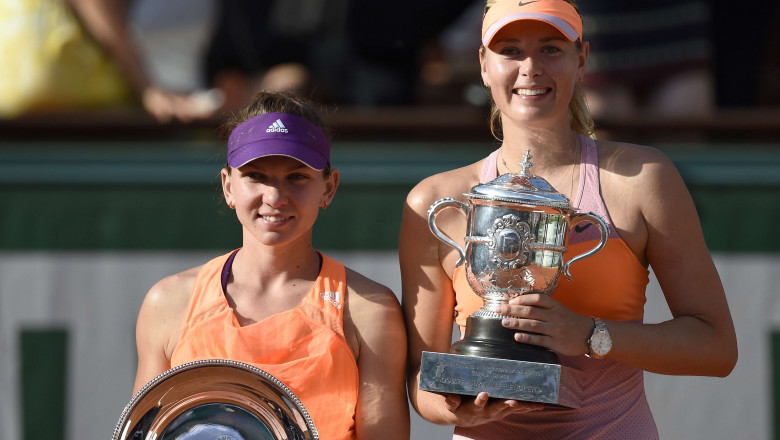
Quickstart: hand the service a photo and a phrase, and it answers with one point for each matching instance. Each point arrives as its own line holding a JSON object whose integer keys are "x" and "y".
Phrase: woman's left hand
{"x": 543, "y": 321}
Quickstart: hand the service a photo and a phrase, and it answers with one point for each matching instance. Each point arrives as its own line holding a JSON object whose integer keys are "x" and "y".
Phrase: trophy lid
{"x": 522, "y": 187}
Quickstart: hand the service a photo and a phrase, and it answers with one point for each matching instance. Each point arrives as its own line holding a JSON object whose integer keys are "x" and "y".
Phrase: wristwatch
{"x": 600, "y": 342}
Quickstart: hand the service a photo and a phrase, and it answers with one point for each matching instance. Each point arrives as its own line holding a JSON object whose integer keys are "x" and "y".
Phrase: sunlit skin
{"x": 531, "y": 68}
{"x": 531, "y": 71}
{"x": 277, "y": 199}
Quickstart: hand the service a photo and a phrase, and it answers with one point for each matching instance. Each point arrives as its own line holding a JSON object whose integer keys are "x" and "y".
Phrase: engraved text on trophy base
{"x": 502, "y": 378}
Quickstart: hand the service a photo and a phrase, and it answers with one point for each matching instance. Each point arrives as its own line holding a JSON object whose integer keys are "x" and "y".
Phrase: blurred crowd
{"x": 192, "y": 59}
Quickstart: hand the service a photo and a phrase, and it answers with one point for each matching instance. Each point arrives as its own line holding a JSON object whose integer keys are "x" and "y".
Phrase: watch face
{"x": 601, "y": 343}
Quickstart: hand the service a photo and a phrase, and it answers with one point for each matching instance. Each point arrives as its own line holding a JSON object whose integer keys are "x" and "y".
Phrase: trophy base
{"x": 489, "y": 359}
{"x": 486, "y": 337}
{"x": 447, "y": 373}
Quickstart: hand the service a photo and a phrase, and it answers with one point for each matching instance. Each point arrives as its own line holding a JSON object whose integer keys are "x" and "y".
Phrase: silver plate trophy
{"x": 215, "y": 400}
{"x": 516, "y": 233}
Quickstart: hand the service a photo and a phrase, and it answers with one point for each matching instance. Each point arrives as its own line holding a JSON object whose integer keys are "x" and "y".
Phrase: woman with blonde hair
{"x": 533, "y": 58}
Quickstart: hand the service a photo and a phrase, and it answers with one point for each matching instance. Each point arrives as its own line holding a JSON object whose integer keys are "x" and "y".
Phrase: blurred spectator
{"x": 49, "y": 63}
{"x": 270, "y": 45}
{"x": 648, "y": 57}
{"x": 342, "y": 51}
{"x": 86, "y": 53}
{"x": 449, "y": 73}
{"x": 64, "y": 55}
{"x": 667, "y": 57}
{"x": 390, "y": 37}
{"x": 108, "y": 23}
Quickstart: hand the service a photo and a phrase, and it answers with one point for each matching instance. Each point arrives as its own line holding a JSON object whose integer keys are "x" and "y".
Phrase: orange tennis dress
{"x": 606, "y": 400}
{"x": 304, "y": 347}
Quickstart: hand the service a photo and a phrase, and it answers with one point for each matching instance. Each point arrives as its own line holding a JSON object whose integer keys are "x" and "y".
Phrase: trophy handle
{"x": 596, "y": 220}
{"x": 437, "y": 206}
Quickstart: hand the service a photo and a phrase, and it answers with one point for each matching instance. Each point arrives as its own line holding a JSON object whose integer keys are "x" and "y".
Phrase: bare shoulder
{"x": 643, "y": 191}
{"x": 159, "y": 321}
{"x": 372, "y": 314}
{"x": 173, "y": 290}
{"x": 367, "y": 293}
{"x": 164, "y": 307}
{"x": 422, "y": 256}
{"x": 452, "y": 183}
{"x": 371, "y": 307}
{"x": 630, "y": 159}
{"x": 631, "y": 168}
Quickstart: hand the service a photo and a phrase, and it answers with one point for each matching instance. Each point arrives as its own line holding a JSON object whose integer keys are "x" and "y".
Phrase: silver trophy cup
{"x": 516, "y": 233}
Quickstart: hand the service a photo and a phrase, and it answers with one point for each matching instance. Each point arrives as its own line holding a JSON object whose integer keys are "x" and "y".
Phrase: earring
{"x": 232, "y": 205}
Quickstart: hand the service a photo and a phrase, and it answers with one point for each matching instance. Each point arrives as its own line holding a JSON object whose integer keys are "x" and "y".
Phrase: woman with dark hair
{"x": 333, "y": 336}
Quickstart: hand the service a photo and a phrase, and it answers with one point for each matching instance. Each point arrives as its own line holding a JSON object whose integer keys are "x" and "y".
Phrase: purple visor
{"x": 278, "y": 134}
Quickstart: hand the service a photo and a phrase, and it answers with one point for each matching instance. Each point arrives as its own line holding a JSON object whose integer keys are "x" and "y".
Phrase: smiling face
{"x": 277, "y": 198}
{"x": 531, "y": 69}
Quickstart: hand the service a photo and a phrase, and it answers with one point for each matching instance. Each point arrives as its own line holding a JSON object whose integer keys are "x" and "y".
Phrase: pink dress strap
{"x": 490, "y": 167}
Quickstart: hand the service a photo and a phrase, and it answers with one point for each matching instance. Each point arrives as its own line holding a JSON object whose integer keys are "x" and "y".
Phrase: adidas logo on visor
{"x": 277, "y": 127}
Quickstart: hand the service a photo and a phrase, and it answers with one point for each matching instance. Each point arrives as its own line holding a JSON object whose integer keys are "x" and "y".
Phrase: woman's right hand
{"x": 482, "y": 409}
